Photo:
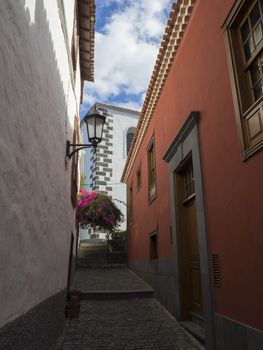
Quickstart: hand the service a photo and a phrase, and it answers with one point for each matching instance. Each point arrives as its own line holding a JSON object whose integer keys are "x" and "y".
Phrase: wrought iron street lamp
{"x": 94, "y": 123}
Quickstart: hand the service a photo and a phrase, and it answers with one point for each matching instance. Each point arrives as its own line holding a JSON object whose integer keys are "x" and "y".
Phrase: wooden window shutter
{"x": 151, "y": 171}
{"x": 75, "y": 43}
{"x": 244, "y": 45}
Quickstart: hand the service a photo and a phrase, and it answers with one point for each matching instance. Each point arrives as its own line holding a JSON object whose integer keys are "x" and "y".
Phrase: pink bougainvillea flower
{"x": 97, "y": 210}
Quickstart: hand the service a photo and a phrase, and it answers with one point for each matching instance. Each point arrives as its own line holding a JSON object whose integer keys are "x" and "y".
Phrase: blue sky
{"x": 127, "y": 39}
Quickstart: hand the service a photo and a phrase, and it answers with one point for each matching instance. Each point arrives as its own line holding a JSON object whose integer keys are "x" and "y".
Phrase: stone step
{"x": 195, "y": 329}
{"x": 90, "y": 260}
{"x": 93, "y": 256}
{"x": 93, "y": 253}
{"x": 116, "y": 294}
{"x": 100, "y": 265}
{"x": 87, "y": 261}
{"x": 92, "y": 245}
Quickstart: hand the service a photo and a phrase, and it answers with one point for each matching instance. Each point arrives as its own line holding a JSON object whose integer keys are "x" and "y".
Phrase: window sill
{"x": 252, "y": 107}
{"x": 188, "y": 199}
{"x": 151, "y": 200}
{"x": 249, "y": 152}
{"x": 138, "y": 189}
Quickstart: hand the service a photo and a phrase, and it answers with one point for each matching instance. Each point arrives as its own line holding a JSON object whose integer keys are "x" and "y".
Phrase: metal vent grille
{"x": 217, "y": 270}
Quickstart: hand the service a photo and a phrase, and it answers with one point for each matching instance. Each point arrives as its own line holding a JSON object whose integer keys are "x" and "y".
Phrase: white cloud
{"x": 103, "y": 3}
{"x": 89, "y": 99}
{"x": 136, "y": 106}
{"x": 126, "y": 49}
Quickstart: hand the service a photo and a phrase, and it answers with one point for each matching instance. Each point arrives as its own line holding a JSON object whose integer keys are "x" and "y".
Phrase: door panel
{"x": 192, "y": 258}
{"x": 188, "y": 248}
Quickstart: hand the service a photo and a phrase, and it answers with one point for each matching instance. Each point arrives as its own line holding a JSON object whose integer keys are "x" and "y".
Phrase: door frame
{"x": 186, "y": 143}
{"x": 182, "y": 253}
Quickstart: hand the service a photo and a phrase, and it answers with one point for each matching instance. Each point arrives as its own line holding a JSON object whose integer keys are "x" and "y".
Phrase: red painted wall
{"x": 199, "y": 80}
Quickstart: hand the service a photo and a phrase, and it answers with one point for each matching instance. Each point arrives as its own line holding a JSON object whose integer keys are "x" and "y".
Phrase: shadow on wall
{"x": 36, "y": 212}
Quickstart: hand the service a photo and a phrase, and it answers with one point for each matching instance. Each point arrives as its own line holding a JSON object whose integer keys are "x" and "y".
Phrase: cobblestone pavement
{"x": 137, "y": 324}
{"x": 129, "y": 324}
{"x": 107, "y": 280}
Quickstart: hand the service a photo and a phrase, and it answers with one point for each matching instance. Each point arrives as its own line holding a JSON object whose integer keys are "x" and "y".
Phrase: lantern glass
{"x": 99, "y": 127}
{"x": 91, "y": 127}
{"x": 95, "y": 123}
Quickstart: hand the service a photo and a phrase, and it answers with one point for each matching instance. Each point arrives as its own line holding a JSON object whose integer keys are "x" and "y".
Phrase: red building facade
{"x": 193, "y": 173}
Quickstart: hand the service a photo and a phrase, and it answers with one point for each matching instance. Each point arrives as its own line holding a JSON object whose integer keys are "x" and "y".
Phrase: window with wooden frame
{"x": 139, "y": 177}
{"x": 153, "y": 245}
{"x": 188, "y": 183}
{"x": 130, "y": 204}
{"x": 151, "y": 171}
{"x": 244, "y": 39}
{"x": 129, "y": 138}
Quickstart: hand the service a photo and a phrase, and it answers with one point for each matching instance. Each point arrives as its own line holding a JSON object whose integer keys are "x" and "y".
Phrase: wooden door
{"x": 188, "y": 250}
{"x": 192, "y": 258}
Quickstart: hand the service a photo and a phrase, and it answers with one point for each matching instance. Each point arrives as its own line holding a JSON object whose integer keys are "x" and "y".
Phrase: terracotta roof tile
{"x": 176, "y": 24}
{"x": 86, "y": 20}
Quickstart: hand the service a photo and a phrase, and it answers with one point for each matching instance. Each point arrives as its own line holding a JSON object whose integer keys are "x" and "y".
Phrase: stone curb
{"x": 116, "y": 294}
{"x": 82, "y": 265}
{"x": 196, "y": 341}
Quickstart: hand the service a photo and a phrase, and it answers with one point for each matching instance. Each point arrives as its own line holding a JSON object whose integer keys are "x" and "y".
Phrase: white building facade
{"x": 42, "y": 72}
{"x": 103, "y": 168}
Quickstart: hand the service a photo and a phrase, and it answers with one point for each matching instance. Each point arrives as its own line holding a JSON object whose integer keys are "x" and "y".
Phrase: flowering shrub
{"x": 97, "y": 210}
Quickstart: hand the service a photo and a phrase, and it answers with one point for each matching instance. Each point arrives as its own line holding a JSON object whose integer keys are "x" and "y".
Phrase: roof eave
{"x": 86, "y": 30}
{"x": 174, "y": 31}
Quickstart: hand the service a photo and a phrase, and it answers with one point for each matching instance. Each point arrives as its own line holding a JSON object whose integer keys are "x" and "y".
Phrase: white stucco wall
{"x": 121, "y": 123}
{"x": 86, "y": 155}
{"x": 38, "y": 104}
{"x": 121, "y": 120}
{"x": 85, "y": 170}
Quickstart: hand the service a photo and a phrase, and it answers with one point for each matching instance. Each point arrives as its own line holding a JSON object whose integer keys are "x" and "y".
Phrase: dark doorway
{"x": 70, "y": 265}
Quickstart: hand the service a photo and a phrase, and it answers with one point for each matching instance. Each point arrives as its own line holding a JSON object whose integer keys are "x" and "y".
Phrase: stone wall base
{"x": 228, "y": 334}
{"x": 160, "y": 275}
{"x": 38, "y": 329}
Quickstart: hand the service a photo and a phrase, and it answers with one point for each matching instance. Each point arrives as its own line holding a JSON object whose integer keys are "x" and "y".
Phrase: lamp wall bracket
{"x": 80, "y": 147}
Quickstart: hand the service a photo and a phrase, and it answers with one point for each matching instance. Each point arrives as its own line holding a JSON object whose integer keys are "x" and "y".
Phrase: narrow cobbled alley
{"x": 118, "y": 311}
{"x": 131, "y": 167}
